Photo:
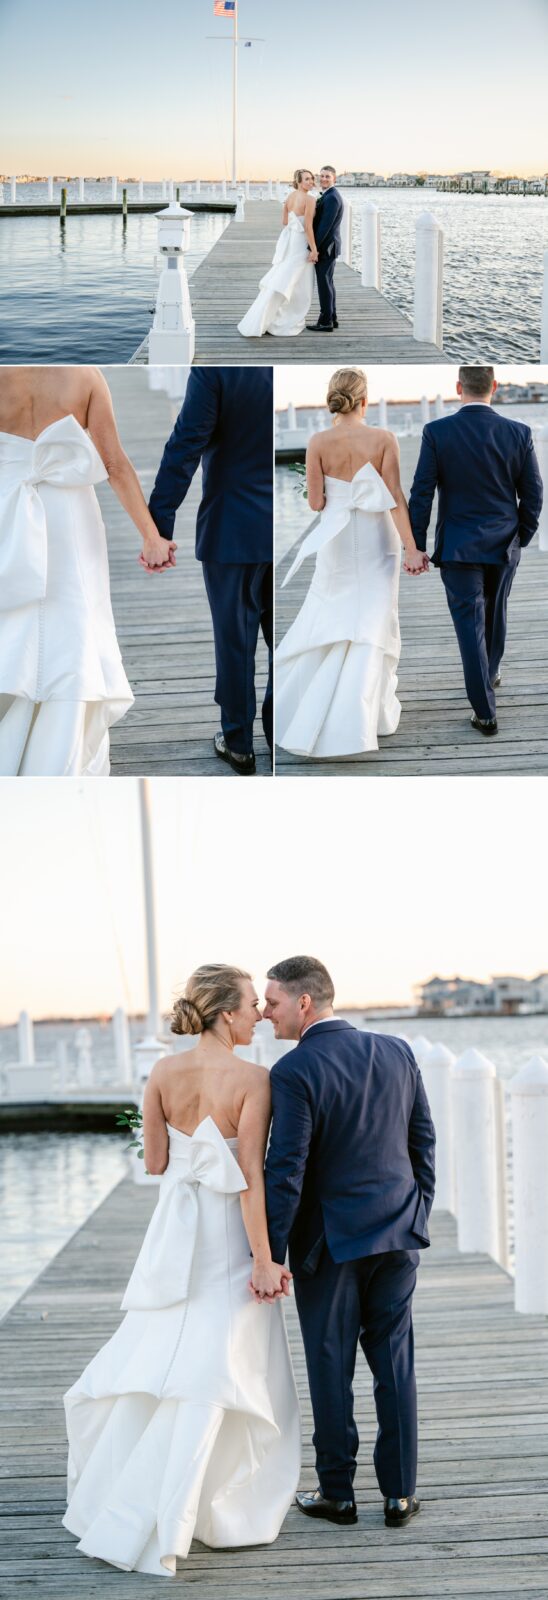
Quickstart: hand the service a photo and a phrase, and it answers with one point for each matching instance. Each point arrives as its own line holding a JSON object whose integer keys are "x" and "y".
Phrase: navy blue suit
{"x": 327, "y": 233}
{"x": 226, "y": 423}
{"x": 349, "y": 1188}
{"x": 489, "y": 502}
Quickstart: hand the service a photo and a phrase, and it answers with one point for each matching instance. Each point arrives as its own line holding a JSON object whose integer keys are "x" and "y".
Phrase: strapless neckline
{"x": 367, "y": 467}
{"x": 24, "y": 437}
{"x": 190, "y": 1136}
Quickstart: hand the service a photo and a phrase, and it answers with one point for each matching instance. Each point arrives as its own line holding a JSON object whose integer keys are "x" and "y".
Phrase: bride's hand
{"x": 415, "y": 561}
{"x": 157, "y": 554}
{"x": 269, "y": 1282}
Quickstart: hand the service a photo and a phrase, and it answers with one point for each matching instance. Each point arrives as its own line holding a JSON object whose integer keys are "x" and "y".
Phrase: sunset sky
{"x": 307, "y": 386}
{"x": 426, "y": 877}
{"x": 140, "y": 90}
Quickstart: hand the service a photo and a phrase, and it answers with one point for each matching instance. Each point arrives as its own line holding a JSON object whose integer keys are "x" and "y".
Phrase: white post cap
{"x": 428, "y": 222}
{"x": 532, "y": 1079}
{"x": 420, "y": 1045}
{"x": 474, "y": 1065}
{"x": 439, "y": 1056}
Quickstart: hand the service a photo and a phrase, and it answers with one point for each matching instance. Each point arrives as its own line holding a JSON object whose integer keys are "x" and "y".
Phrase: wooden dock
{"x": 163, "y": 621}
{"x": 225, "y": 285}
{"x": 483, "y": 1478}
{"x": 109, "y": 208}
{"x": 434, "y": 736}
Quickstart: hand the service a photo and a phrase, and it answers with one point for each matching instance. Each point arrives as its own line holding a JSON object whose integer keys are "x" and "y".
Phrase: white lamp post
{"x": 173, "y": 334}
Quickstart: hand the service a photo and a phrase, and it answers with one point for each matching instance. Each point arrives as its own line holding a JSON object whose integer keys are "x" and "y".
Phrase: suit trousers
{"x": 366, "y": 1302}
{"x": 477, "y": 596}
{"x": 241, "y": 603}
{"x": 325, "y": 271}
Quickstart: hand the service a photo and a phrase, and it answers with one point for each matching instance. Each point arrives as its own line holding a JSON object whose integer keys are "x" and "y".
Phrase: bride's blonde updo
{"x": 300, "y": 173}
{"x": 346, "y": 389}
{"x": 209, "y": 991}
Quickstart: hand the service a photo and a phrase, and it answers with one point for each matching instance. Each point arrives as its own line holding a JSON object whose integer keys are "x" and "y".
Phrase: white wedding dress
{"x": 285, "y": 292}
{"x": 186, "y": 1423}
{"x": 336, "y": 667}
{"x": 62, "y": 682}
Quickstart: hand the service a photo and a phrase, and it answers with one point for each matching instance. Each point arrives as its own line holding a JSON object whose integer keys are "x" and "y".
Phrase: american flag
{"x": 224, "y": 8}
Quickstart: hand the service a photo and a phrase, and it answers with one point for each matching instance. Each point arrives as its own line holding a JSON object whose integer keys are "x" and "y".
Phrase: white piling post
{"x": 114, "y": 189}
{"x": 240, "y": 207}
{"x": 371, "y": 246}
{"x": 25, "y": 1037}
{"x": 84, "y": 1067}
{"x": 223, "y": 189}
{"x": 140, "y": 190}
{"x": 544, "y": 311}
{"x": 81, "y": 193}
{"x": 50, "y": 189}
{"x": 246, "y": 186}
{"x": 291, "y": 416}
{"x": 529, "y": 1100}
{"x": 541, "y": 447}
{"x": 13, "y": 190}
{"x": 170, "y": 191}
{"x": 437, "y": 1071}
{"x": 270, "y": 189}
{"x": 198, "y": 185}
{"x": 383, "y": 413}
{"x": 428, "y": 308}
{"x": 438, "y": 407}
{"x": 346, "y": 233}
{"x": 122, "y": 1047}
{"x": 475, "y": 1123}
{"x": 425, "y": 408}
{"x": 420, "y": 1046}
{"x": 172, "y": 337}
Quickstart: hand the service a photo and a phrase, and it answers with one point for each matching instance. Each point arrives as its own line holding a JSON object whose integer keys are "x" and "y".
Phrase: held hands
{"x": 415, "y": 562}
{"x": 157, "y": 554}
{"x": 269, "y": 1282}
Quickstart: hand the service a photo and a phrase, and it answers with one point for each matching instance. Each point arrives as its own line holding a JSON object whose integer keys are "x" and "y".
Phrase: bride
{"x": 285, "y": 293}
{"x": 336, "y": 667}
{"x": 186, "y": 1423}
{"x": 62, "y": 682}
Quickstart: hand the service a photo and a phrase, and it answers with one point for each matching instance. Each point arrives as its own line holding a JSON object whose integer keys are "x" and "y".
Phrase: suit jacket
{"x": 327, "y": 223}
{"x": 490, "y": 489}
{"x": 226, "y": 422}
{"x": 351, "y": 1154}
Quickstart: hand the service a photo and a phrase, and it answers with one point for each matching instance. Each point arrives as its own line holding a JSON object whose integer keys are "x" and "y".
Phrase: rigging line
{"x": 103, "y": 875}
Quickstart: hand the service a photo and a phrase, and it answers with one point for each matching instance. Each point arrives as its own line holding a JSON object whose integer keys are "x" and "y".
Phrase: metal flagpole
{"x": 235, "y": 95}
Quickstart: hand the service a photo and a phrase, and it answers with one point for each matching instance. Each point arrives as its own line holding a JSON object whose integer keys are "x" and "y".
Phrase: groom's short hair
{"x": 304, "y": 975}
{"x": 326, "y": 168}
{"x": 477, "y": 380}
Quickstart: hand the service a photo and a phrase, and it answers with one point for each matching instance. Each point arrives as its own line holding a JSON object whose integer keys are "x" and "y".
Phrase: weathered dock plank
{"x": 483, "y": 1478}
{"x": 434, "y": 735}
{"x": 163, "y": 621}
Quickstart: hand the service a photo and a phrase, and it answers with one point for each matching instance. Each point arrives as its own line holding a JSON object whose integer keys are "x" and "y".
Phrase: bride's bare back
{"x": 191, "y": 1088}
{"x": 341, "y": 451}
{"x": 32, "y": 398}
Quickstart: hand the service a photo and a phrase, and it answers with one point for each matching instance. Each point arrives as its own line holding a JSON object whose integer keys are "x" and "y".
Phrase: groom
{"x": 226, "y": 423}
{"x": 349, "y": 1185}
{"x": 490, "y": 498}
{"x": 327, "y": 234}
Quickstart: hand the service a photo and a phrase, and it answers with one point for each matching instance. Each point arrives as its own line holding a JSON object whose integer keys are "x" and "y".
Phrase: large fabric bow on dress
{"x": 62, "y": 456}
{"x": 366, "y": 491}
{"x": 162, "y": 1270}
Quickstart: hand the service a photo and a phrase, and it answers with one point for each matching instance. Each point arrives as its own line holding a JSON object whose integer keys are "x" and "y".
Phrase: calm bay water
{"x": 84, "y": 293}
{"x": 50, "y": 1183}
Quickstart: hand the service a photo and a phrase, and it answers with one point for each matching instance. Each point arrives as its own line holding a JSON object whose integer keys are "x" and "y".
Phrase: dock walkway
{"x": 227, "y": 281}
{"x": 434, "y": 735}
{"x": 483, "y": 1480}
{"x": 163, "y": 621}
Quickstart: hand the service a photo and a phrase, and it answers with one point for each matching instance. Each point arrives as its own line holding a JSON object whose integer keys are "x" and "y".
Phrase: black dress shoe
{"x": 398, "y": 1512}
{"x": 319, "y": 327}
{"x": 496, "y": 682}
{"x": 335, "y": 322}
{"x": 243, "y": 765}
{"x": 487, "y": 727}
{"x": 315, "y": 1505}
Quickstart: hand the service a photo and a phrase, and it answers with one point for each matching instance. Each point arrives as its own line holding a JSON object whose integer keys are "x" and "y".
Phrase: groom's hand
{"x": 415, "y": 562}
{"x": 157, "y": 554}
{"x": 269, "y": 1282}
